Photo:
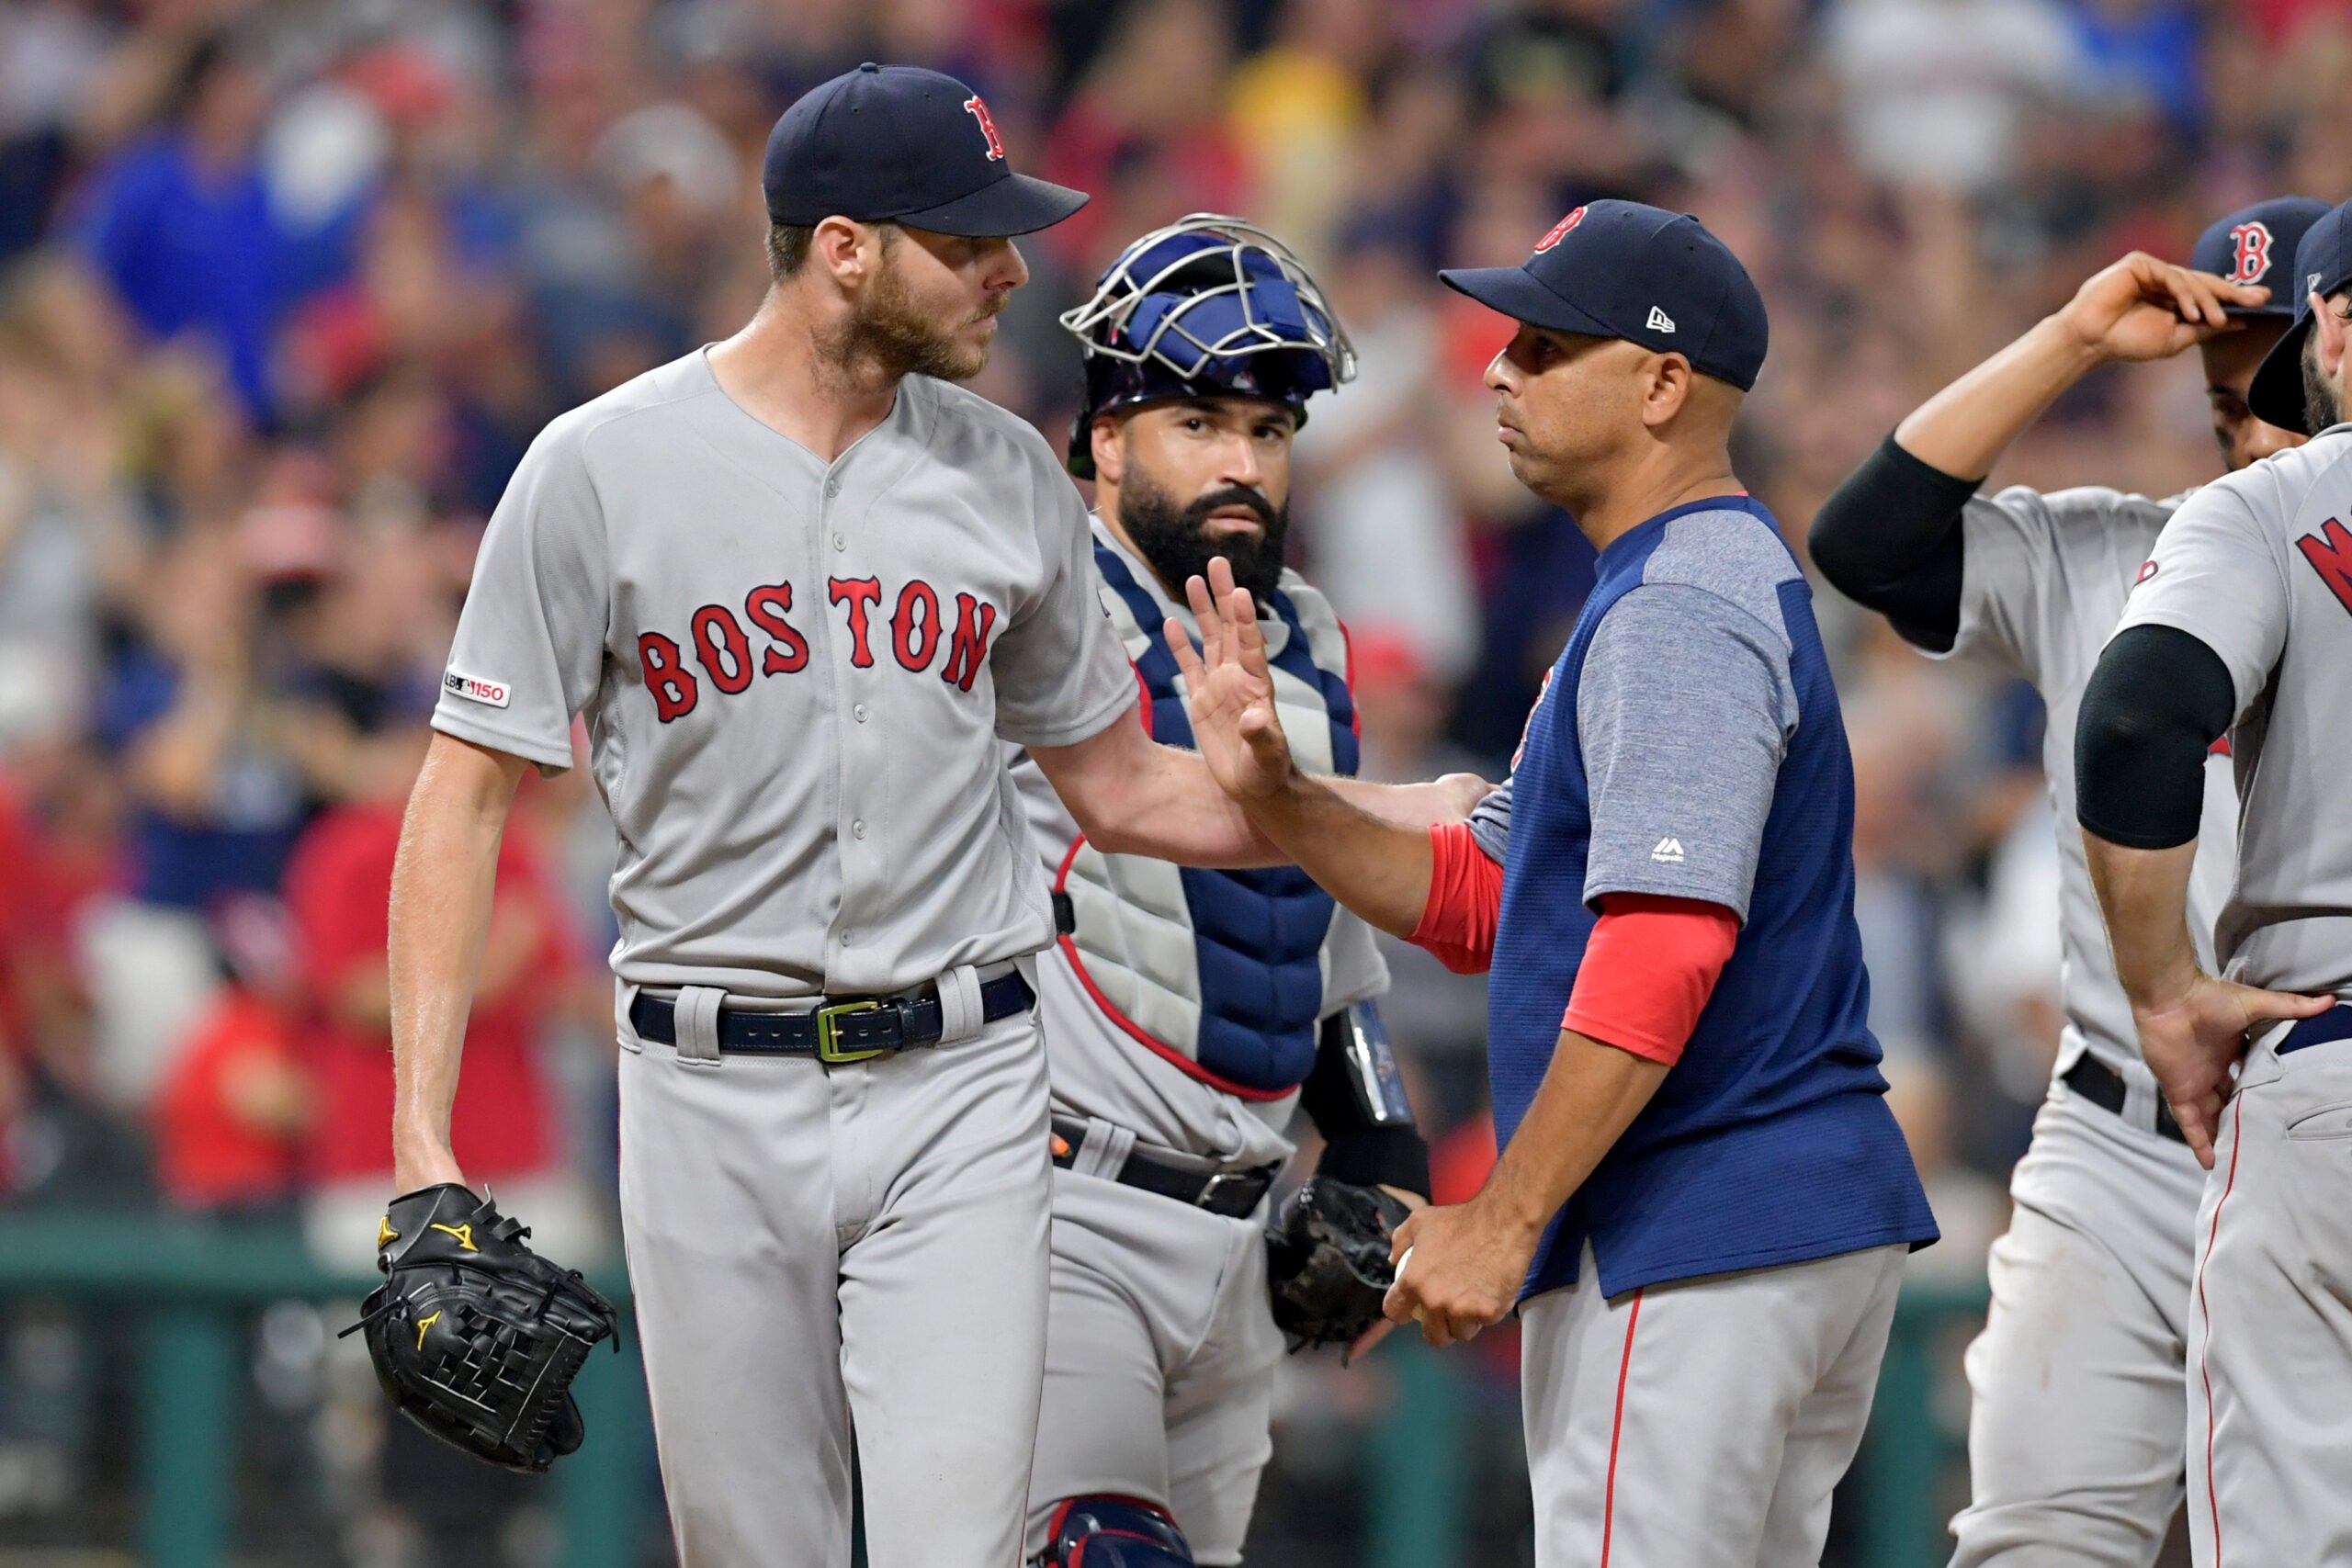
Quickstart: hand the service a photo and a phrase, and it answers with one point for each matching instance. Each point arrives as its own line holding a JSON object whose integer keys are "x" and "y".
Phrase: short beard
{"x": 1174, "y": 538}
{"x": 2322, "y": 405}
{"x": 888, "y": 332}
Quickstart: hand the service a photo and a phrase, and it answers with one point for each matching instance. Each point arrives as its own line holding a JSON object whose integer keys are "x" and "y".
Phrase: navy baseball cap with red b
{"x": 2256, "y": 245}
{"x": 900, "y": 144}
{"x": 2322, "y": 265}
{"x": 1624, "y": 269}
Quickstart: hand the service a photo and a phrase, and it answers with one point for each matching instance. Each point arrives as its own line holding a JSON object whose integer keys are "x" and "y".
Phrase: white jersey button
{"x": 840, "y": 543}
{"x": 832, "y": 489}
{"x": 857, "y": 829}
{"x": 860, "y": 711}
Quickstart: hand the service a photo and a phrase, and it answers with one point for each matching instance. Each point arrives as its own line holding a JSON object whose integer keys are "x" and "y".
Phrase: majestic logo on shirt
{"x": 2250, "y": 252}
{"x": 1668, "y": 851}
{"x": 1659, "y": 321}
{"x": 2330, "y": 553}
{"x": 919, "y": 632}
{"x": 980, "y": 111}
{"x": 1559, "y": 231}
{"x": 474, "y": 690}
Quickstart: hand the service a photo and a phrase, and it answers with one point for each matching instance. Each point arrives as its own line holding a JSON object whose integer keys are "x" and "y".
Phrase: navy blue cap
{"x": 2256, "y": 245}
{"x": 1626, "y": 270}
{"x": 901, "y": 144}
{"x": 2322, "y": 265}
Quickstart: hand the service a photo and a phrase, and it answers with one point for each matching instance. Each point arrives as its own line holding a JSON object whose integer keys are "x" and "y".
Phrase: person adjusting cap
{"x": 1623, "y": 269}
{"x": 1208, "y": 306}
{"x": 2256, "y": 245}
{"x": 902, "y": 144}
{"x": 2322, "y": 265}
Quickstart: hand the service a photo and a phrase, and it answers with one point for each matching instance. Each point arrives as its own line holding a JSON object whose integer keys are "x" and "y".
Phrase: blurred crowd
{"x": 286, "y": 289}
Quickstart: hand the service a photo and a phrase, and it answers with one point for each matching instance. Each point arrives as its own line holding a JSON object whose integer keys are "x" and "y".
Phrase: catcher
{"x": 1188, "y": 1013}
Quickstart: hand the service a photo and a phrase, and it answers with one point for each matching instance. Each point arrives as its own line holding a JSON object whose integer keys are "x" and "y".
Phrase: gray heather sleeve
{"x": 530, "y": 643}
{"x": 1061, "y": 674}
{"x": 1490, "y": 822}
{"x": 1683, "y": 712}
{"x": 2024, "y": 553}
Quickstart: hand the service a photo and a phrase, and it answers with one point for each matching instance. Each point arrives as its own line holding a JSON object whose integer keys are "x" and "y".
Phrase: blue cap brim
{"x": 1017, "y": 203}
{"x": 1516, "y": 293}
{"x": 2275, "y": 396}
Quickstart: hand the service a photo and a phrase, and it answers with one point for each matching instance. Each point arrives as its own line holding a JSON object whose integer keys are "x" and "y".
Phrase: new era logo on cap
{"x": 1659, "y": 321}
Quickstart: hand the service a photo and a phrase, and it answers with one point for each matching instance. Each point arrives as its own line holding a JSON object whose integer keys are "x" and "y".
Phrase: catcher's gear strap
{"x": 1103, "y": 1531}
{"x": 1368, "y": 1146}
{"x": 1649, "y": 967}
{"x": 1081, "y": 1147}
{"x": 2157, "y": 703}
{"x": 1890, "y": 537}
{"x": 1464, "y": 903}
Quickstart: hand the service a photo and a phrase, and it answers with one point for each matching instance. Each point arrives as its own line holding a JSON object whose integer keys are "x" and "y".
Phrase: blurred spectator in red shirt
{"x": 505, "y": 1126}
{"x": 232, "y": 1106}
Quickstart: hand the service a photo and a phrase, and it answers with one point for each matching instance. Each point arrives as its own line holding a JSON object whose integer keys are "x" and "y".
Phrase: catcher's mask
{"x": 1207, "y": 307}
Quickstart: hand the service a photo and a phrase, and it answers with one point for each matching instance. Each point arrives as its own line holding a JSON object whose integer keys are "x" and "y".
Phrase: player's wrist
{"x": 2073, "y": 345}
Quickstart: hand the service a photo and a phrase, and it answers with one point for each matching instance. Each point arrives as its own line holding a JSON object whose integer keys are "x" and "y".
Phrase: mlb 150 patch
{"x": 475, "y": 689}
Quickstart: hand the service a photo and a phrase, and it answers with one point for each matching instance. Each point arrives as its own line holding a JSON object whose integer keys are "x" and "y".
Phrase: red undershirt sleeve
{"x": 1649, "y": 968}
{"x": 1465, "y": 899}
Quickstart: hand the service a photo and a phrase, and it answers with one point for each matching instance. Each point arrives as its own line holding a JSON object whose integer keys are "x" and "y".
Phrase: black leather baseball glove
{"x": 1327, "y": 1260}
{"x": 475, "y": 1337}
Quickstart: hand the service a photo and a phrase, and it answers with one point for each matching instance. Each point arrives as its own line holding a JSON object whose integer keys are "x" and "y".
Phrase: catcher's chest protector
{"x": 1222, "y": 972}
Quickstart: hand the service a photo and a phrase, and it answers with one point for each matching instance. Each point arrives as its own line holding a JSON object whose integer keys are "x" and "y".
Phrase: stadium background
{"x": 288, "y": 288}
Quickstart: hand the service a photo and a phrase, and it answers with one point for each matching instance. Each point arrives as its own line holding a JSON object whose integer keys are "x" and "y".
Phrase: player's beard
{"x": 2322, "y": 403}
{"x": 1175, "y": 537}
{"x": 887, "y": 330}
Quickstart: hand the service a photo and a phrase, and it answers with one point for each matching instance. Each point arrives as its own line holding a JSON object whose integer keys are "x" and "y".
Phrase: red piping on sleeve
{"x": 1649, "y": 967}
{"x": 1464, "y": 902}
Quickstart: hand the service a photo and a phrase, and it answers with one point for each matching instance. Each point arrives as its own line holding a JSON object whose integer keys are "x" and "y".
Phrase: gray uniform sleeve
{"x": 1684, "y": 712}
{"x": 1490, "y": 822}
{"x": 2216, "y": 574}
{"x": 1061, "y": 674}
{"x": 2017, "y": 547}
{"x": 530, "y": 643}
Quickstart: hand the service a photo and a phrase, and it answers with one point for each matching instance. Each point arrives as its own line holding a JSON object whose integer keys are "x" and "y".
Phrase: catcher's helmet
{"x": 1209, "y": 305}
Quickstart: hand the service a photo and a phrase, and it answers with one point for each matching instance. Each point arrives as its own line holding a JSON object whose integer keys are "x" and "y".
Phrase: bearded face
{"x": 1180, "y": 537}
{"x": 920, "y": 316}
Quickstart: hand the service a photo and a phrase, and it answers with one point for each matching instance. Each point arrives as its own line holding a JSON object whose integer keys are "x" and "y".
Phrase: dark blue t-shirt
{"x": 1689, "y": 743}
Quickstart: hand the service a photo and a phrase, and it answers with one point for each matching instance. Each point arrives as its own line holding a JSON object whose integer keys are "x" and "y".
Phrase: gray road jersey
{"x": 796, "y": 675}
{"x": 2258, "y": 568}
{"x": 1094, "y": 1069}
{"x": 2044, "y": 579}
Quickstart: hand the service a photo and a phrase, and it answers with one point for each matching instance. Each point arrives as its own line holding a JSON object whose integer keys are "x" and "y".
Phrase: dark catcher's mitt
{"x": 1327, "y": 1260}
{"x": 475, "y": 1337}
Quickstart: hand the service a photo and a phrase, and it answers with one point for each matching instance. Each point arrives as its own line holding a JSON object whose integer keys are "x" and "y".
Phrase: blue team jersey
{"x": 1689, "y": 743}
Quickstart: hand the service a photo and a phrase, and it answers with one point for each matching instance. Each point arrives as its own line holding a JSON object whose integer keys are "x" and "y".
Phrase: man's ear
{"x": 1667, "y": 388}
{"x": 1110, "y": 449}
{"x": 846, "y": 250}
{"x": 2332, "y": 331}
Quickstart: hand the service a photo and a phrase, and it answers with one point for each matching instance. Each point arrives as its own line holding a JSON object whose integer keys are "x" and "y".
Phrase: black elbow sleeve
{"x": 1889, "y": 538}
{"x": 2155, "y": 705}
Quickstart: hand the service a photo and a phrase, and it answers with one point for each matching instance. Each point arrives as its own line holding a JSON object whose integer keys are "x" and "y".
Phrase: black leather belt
{"x": 1232, "y": 1193}
{"x": 840, "y": 1031}
{"x": 2333, "y": 1025}
{"x": 2104, "y": 1087}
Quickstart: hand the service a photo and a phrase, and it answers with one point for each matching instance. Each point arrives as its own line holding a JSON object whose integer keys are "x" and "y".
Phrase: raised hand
{"x": 1235, "y": 724}
{"x": 2192, "y": 1040}
{"x": 2141, "y": 308}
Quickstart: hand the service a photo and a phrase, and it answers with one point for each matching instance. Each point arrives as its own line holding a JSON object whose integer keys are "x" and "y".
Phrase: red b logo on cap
{"x": 1559, "y": 231}
{"x": 988, "y": 127}
{"x": 2251, "y": 258}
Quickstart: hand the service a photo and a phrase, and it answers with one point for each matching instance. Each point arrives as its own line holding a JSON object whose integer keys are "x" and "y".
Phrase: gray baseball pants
{"x": 822, "y": 1255}
{"x": 1702, "y": 1424}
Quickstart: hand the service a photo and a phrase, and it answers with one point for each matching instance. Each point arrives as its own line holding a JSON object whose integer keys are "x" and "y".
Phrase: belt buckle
{"x": 829, "y": 1048}
{"x": 1215, "y": 1185}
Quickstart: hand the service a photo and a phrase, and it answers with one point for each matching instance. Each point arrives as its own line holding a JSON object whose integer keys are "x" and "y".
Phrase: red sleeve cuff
{"x": 1465, "y": 899}
{"x": 1649, "y": 968}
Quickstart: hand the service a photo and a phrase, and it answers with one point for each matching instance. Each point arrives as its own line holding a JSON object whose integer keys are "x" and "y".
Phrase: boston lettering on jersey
{"x": 1235, "y": 1002}
{"x": 917, "y": 631}
{"x": 2330, "y": 553}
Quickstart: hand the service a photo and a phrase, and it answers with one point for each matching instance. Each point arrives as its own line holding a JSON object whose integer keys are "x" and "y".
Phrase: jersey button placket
{"x": 862, "y": 770}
